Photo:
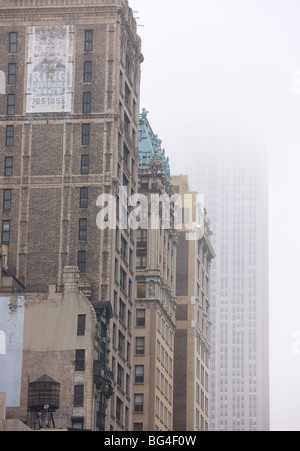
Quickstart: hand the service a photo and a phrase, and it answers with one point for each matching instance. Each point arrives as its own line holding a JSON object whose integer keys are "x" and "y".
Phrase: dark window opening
{"x": 11, "y": 104}
{"x": 88, "y": 40}
{"x": 10, "y": 136}
{"x": 138, "y": 403}
{"x": 8, "y": 166}
{"x": 87, "y": 102}
{"x": 139, "y": 374}
{"x": 7, "y": 197}
{"x": 80, "y": 360}
{"x": 86, "y": 134}
{"x": 140, "y": 346}
{"x": 141, "y": 318}
{"x": 13, "y": 42}
{"x": 88, "y": 72}
{"x": 12, "y": 74}
{"x": 5, "y": 232}
{"x": 85, "y": 164}
{"x": 81, "y": 325}
{"x": 82, "y": 230}
{"x": 78, "y": 395}
{"x": 82, "y": 261}
{"x": 84, "y": 197}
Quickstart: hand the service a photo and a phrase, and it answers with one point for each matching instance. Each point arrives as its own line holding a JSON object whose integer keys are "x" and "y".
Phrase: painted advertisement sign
{"x": 11, "y": 347}
{"x": 50, "y": 69}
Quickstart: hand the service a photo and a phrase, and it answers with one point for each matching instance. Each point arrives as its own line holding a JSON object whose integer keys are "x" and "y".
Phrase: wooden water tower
{"x": 43, "y": 401}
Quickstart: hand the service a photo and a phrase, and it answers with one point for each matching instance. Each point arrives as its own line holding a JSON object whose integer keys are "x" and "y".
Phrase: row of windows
{"x": 84, "y": 167}
{"x": 13, "y": 41}
{"x": 163, "y": 413}
{"x": 86, "y": 105}
{"x": 7, "y": 200}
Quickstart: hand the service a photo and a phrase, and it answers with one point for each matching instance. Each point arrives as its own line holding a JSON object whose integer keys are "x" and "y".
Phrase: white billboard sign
{"x": 50, "y": 69}
{"x": 12, "y": 309}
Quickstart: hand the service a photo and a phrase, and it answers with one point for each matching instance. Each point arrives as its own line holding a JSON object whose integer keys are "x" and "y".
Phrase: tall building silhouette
{"x": 234, "y": 178}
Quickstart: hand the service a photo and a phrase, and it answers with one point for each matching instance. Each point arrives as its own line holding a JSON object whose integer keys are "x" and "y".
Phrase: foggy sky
{"x": 211, "y": 59}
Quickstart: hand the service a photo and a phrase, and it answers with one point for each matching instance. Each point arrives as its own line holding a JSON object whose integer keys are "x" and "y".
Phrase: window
{"x": 141, "y": 290}
{"x": 139, "y": 374}
{"x": 8, "y": 166}
{"x": 120, "y": 378}
{"x": 128, "y": 355}
{"x": 141, "y": 261}
{"x": 77, "y": 423}
{"x": 5, "y": 232}
{"x": 86, "y": 134}
{"x": 11, "y": 104}
{"x": 88, "y": 40}
{"x": 126, "y": 154}
{"x": 82, "y": 230}
{"x": 87, "y": 99}
{"x": 127, "y": 384}
{"x": 122, "y": 279}
{"x": 88, "y": 72}
{"x": 127, "y": 93}
{"x": 123, "y": 247}
{"x": 82, "y": 261}
{"x": 145, "y": 183}
{"x": 81, "y": 325}
{"x": 78, "y": 395}
{"x": 85, "y": 164}
{"x": 7, "y": 196}
{"x": 10, "y": 135}
{"x": 141, "y": 253}
{"x": 138, "y": 403}
{"x": 128, "y": 66}
{"x": 138, "y": 427}
{"x": 119, "y": 409}
{"x": 84, "y": 197}
{"x": 141, "y": 318}
{"x": 121, "y": 343}
{"x": 122, "y": 308}
{"x": 12, "y": 74}
{"x": 80, "y": 360}
{"x": 13, "y": 42}
{"x": 129, "y": 319}
{"x": 125, "y": 180}
{"x": 140, "y": 346}
{"x": 126, "y": 123}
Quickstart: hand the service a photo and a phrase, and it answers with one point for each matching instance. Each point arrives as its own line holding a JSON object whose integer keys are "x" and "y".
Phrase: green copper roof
{"x": 149, "y": 144}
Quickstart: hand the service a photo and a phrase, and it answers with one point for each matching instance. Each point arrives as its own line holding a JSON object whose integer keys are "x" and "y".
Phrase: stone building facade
{"x": 155, "y": 302}
{"x": 193, "y": 320}
{"x": 62, "y": 339}
{"x": 69, "y": 132}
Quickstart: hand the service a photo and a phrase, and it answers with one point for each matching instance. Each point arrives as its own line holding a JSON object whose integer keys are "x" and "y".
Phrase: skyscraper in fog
{"x": 234, "y": 179}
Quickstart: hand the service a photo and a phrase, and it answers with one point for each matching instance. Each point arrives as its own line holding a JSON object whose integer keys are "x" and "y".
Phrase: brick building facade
{"x": 155, "y": 303}
{"x": 193, "y": 321}
{"x": 69, "y": 133}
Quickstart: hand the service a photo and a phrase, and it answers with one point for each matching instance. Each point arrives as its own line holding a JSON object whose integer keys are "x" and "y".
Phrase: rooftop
{"x": 149, "y": 144}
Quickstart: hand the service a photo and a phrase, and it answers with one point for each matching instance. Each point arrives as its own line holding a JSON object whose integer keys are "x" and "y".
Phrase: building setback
{"x": 193, "y": 321}
{"x": 155, "y": 302}
{"x": 69, "y": 132}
